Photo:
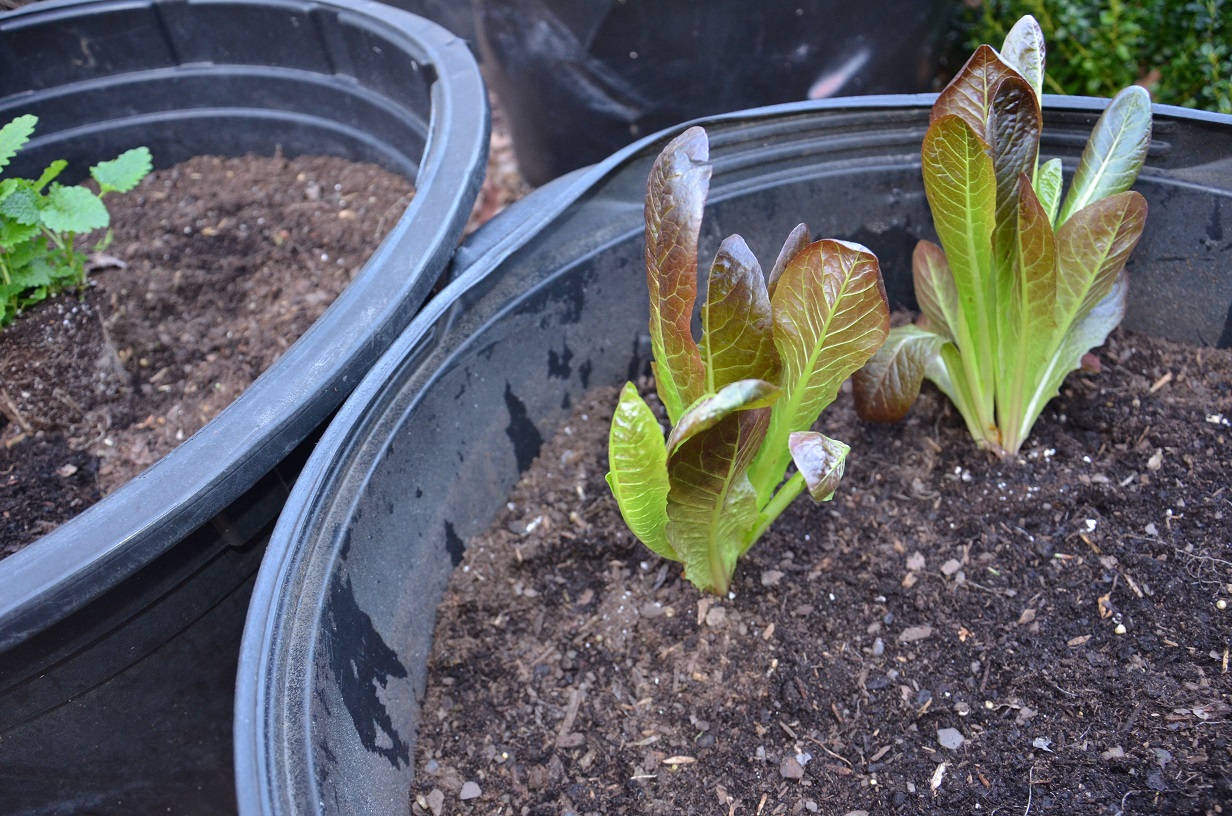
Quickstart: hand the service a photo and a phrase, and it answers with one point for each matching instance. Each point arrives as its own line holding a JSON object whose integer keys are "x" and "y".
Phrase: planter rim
{"x": 479, "y": 256}
{"x": 64, "y": 570}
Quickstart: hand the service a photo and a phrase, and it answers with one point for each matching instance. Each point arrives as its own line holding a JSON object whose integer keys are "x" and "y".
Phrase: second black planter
{"x": 580, "y": 78}
{"x": 119, "y": 631}
{"x": 550, "y": 300}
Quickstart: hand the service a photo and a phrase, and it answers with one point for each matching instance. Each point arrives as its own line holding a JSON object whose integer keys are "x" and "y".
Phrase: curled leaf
{"x": 820, "y": 460}
{"x": 742, "y": 395}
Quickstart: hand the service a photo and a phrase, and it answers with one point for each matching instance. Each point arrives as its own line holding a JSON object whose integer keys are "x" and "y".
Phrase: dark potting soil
{"x": 216, "y": 267}
{"x": 944, "y": 637}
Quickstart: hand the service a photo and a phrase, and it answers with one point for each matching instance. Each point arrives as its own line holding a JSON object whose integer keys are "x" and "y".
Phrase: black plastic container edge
{"x": 314, "y": 599}
{"x": 169, "y": 558}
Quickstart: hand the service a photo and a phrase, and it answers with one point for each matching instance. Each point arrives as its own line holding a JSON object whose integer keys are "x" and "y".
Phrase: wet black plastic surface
{"x": 119, "y": 631}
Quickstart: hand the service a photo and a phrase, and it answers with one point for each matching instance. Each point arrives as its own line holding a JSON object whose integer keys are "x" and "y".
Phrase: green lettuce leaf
{"x": 737, "y": 330}
{"x": 1115, "y": 152}
{"x": 711, "y": 409}
{"x": 830, "y": 315}
{"x": 934, "y": 289}
{"x": 1024, "y": 51}
{"x": 638, "y": 476}
{"x": 886, "y": 387}
{"x": 1030, "y": 323}
{"x": 711, "y": 505}
{"x": 960, "y": 184}
{"x": 675, "y": 194}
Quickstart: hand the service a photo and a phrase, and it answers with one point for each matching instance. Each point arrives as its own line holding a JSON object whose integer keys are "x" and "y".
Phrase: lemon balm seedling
{"x": 41, "y": 219}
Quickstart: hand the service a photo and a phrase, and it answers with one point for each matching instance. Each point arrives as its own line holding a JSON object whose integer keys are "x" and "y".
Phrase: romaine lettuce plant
{"x": 1023, "y": 285}
{"x": 38, "y": 257}
{"x": 772, "y": 355}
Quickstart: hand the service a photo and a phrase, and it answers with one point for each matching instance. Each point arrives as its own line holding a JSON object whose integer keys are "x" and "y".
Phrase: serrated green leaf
{"x": 1029, "y": 326}
{"x": 960, "y": 184}
{"x": 638, "y": 476}
{"x": 797, "y": 240}
{"x": 14, "y": 136}
{"x": 710, "y": 410}
{"x": 21, "y": 204}
{"x": 124, "y": 172}
{"x": 675, "y": 195}
{"x": 1024, "y": 51}
{"x": 830, "y": 315}
{"x": 32, "y": 275}
{"x": 50, "y": 174}
{"x": 21, "y": 242}
{"x": 1048, "y": 188}
{"x": 887, "y": 386}
{"x": 737, "y": 329}
{"x": 970, "y": 94}
{"x": 14, "y": 236}
{"x": 73, "y": 210}
{"x": 1115, "y": 152}
{"x": 820, "y": 460}
{"x": 934, "y": 289}
{"x": 1092, "y": 248}
{"x": 711, "y": 505}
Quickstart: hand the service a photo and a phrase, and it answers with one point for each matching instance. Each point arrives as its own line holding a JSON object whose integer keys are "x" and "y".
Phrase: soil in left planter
{"x": 217, "y": 265}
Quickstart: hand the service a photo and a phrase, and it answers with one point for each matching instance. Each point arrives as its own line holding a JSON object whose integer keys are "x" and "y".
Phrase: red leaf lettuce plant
{"x": 772, "y": 355}
{"x": 1023, "y": 285}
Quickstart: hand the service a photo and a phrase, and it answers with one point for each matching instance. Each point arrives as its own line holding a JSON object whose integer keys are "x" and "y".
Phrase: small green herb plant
{"x": 38, "y": 229}
{"x": 772, "y": 355}
{"x": 1023, "y": 284}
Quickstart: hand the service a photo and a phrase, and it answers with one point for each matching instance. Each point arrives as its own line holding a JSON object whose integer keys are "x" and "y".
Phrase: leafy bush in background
{"x": 1181, "y": 50}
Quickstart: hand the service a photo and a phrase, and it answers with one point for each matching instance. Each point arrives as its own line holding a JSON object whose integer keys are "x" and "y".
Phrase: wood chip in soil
{"x": 216, "y": 267}
{"x": 952, "y": 634}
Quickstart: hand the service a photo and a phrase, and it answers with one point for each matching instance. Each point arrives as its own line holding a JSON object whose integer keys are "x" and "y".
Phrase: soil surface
{"x": 216, "y": 267}
{"x": 952, "y": 634}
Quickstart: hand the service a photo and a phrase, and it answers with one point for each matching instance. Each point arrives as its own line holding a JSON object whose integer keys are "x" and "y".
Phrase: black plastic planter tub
{"x": 548, "y": 300}
{"x": 579, "y": 79}
{"x": 119, "y": 631}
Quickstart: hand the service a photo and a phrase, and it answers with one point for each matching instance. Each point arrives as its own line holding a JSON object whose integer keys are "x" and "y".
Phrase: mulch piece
{"x": 941, "y": 638}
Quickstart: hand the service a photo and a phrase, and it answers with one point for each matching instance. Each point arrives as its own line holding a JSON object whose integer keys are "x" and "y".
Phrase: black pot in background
{"x": 119, "y": 631}
{"x": 549, "y": 299}
{"x": 457, "y": 16}
{"x": 581, "y": 78}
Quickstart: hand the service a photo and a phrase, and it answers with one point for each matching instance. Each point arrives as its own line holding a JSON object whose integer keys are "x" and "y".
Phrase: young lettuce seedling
{"x": 773, "y": 354}
{"x": 1022, "y": 286}
{"x": 38, "y": 230}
